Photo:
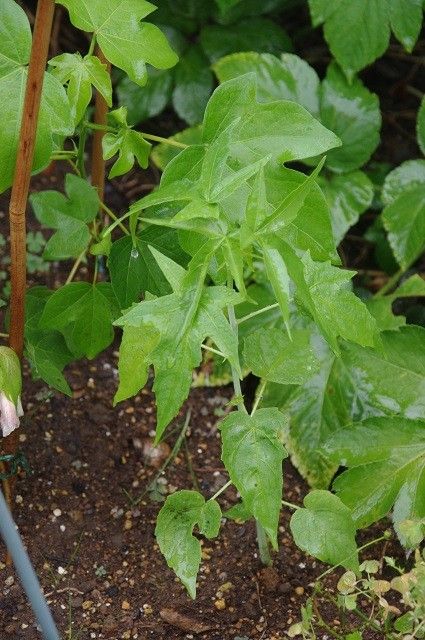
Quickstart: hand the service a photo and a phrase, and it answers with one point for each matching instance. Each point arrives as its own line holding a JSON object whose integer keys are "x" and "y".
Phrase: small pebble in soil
{"x": 57, "y": 513}
{"x": 125, "y": 606}
{"x": 299, "y": 591}
{"x": 62, "y": 571}
{"x": 220, "y": 604}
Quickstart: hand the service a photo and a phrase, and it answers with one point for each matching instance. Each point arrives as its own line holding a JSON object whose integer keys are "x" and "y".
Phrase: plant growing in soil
{"x": 234, "y": 254}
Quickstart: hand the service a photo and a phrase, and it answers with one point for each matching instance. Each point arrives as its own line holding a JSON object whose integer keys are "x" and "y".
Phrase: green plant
{"x": 380, "y": 616}
{"x": 234, "y": 253}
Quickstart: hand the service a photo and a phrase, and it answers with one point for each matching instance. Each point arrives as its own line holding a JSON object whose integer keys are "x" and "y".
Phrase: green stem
{"x": 393, "y": 280}
{"x": 75, "y": 267}
{"x": 291, "y": 505}
{"x": 258, "y": 396}
{"x": 207, "y": 348}
{"x": 99, "y": 127}
{"x": 221, "y": 490}
{"x": 173, "y": 143}
{"x": 114, "y": 217}
{"x": 257, "y": 313}
{"x": 92, "y": 45}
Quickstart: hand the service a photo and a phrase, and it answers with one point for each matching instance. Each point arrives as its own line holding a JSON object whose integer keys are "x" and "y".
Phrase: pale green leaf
{"x": 126, "y": 41}
{"x": 133, "y": 365}
{"x": 80, "y": 74}
{"x": 130, "y": 145}
{"x": 324, "y": 528}
{"x": 252, "y": 453}
{"x": 15, "y": 37}
{"x": 408, "y": 175}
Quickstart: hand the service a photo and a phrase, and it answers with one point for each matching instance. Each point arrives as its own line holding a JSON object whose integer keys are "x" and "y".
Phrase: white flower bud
{"x": 9, "y": 414}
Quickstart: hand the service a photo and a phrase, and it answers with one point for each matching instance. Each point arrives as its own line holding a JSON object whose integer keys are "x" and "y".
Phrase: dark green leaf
{"x": 193, "y": 86}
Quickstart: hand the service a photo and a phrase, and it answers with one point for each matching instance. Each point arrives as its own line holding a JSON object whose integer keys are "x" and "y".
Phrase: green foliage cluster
{"x": 236, "y": 252}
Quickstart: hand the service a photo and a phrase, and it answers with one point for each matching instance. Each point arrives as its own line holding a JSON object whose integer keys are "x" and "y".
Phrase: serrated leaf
{"x": 349, "y": 389}
{"x": 55, "y": 114}
{"x": 184, "y": 319}
{"x": 193, "y": 85}
{"x": 386, "y": 468}
{"x": 323, "y": 290}
{"x": 278, "y": 275}
{"x": 252, "y": 453}
{"x": 126, "y": 41}
{"x": 133, "y": 269}
{"x": 69, "y": 215}
{"x": 181, "y": 512}
{"x": 80, "y": 74}
{"x": 349, "y": 196}
{"x": 404, "y": 220}
{"x": 352, "y": 112}
{"x": 83, "y": 313}
{"x": 273, "y": 356}
{"x": 408, "y": 175}
{"x": 325, "y": 529}
{"x": 10, "y": 374}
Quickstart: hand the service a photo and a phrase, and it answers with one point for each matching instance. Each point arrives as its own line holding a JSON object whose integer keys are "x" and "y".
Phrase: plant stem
{"x": 393, "y": 280}
{"x": 291, "y": 505}
{"x": 258, "y": 396}
{"x": 92, "y": 45}
{"x": 75, "y": 267}
{"x": 173, "y": 143}
{"x": 221, "y": 490}
{"x": 207, "y": 348}
{"x": 257, "y": 313}
{"x": 21, "y": 181}
{"x": 114, "y": 217}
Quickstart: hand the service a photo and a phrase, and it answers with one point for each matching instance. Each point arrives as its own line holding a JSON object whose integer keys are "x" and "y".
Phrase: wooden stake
{"x": 19, "y": 195}
{"x": 100, "y": 117}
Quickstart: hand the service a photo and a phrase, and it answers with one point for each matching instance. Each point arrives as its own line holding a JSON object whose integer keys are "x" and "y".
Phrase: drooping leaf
{"x": 193, "y": 86}
{"x": 55, "y": 114}
{"x": 83, "y": 313}
{"x": 325, "y": 529}
{"x": 178, "y": 517}
{"x": 130, "y": 145}
{"x": 349, "y": 389}
{"x": 252, "y": 34}
{"x": 45, "y": 349}
{"x": 132, "y": 267}
{"x": 80, "y": 74}
{"x": 386, "y": 468}
{"x": 253, "y": 453}
{"x": 272, "y": 355}
{"x": 69, "y": 215}
{"x": 348, "y": 195}
{"x": 136, "y": 347}
{"x": 126, "y": 41}
{"x": 184, "y": 319}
